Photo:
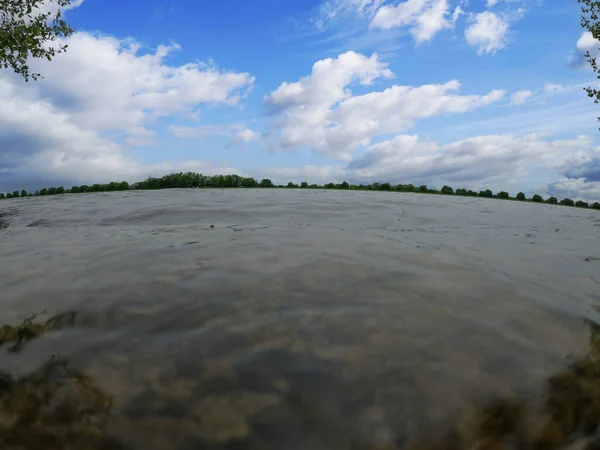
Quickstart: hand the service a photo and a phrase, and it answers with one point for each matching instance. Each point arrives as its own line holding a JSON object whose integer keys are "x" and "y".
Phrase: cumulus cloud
{"x": 498, "y": 162}
{"x": 586, "y": 43}
{"x": 499, "y": 159}
{"x": 487, "y": 32}
{"x": 246, "y": 136}
{"x": 60, "y": 126}
{"x": 491, "y": 3}
{"x": 424, "y": 18}
{"x": 575, "y": 189}
{"x": 319, "y": 111}
{"x": 519, "y": 97}
{"x": 107, "y": 83}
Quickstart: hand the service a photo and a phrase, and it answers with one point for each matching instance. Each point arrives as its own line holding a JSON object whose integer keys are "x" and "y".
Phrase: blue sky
{"x": 472, "y": 93}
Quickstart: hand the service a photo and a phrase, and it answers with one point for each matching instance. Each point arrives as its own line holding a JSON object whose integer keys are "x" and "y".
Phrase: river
{"x": 289, "y": 319}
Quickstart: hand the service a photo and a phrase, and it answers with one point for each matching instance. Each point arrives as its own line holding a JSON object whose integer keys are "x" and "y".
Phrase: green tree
{"x": 344, "y": 185}
{"x": 567, "y": 202}
{"x": 304, "y": 184}
{"x": 552, "y": 200}
{"x": 249, "y": 182}
{"x": 385, "y": 187}
{"x": 447, "y": 190}
{"x": 582, "y": 204}
{"x": 423, "y": 188}
{"x": 520, "y": 196}
{"x": 23, "y": 193}
{"x": 292, "y": 185}
{"x": 537, "y": 198}
{"x": 486, "y": 193}
{"x": 590, "y": 14}
{"x": 596, "y": 205}
{"x": 503, "y": 194}
{"x": 461, "y": 191}
{"x": 15, "y": 194}
{"x": 26, "y": 31}
{"x": 8, "y": 195}
{"x": 44, "y": 191}
{"x": 1, "y": 195}
{"x": 266, "y": 183}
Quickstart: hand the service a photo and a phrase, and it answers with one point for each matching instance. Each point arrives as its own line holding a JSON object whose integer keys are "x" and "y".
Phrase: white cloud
{"x": 488, "y": 32}
{"x": 491, "y": 3}
{"x": 497, "y": 162}
{"x": 553, "y": 88}
{"x": 328, "y": 81}
{"x": 424, "y": 18}
{"x": 59, "y": 127}
{"x": 586, "y": 42}
{"x": 246, "y": 135}
{"x": 498, "y": 159}
{"x": 332, "y": 9}
{"x": 185, "y": 132}
{"x": 136, "y": 87}
{"x": 458, "y": 12}
{"x": 576, "y": 189}
{"x": 320, "y": 112}
{"x": 519, "y": 97}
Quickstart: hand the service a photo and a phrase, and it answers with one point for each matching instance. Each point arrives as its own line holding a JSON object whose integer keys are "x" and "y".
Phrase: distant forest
{"x": 197, "y": 180}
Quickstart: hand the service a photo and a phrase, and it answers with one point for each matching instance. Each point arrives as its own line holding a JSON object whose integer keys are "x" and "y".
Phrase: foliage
{"x": 590, "y": 12}
{"x": 25, "y": 32}
{"x": 191, "y": 180}
{"x": 537, "y": 198}
{"x": 582, "y": 204}
{"x": 567, "y": 202}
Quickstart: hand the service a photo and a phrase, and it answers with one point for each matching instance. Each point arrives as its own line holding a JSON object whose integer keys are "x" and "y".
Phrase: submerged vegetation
{"x": 59, "y": 407}
{"x": 197, "y": 180}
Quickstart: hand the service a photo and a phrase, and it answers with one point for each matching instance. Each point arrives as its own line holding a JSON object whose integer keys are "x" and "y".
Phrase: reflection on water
{"x": 297, "y": 320}
{"x": 274, "y": 400}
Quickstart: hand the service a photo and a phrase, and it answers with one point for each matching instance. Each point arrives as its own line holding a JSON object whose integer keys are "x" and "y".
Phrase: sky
{"x": 475, "y": 94}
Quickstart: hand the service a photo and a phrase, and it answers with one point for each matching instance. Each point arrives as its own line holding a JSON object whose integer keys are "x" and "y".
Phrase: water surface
{"x": 295, "y": 319}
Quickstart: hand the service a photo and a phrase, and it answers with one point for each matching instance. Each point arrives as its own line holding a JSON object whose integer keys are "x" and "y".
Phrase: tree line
{"x": 197, "y": 180}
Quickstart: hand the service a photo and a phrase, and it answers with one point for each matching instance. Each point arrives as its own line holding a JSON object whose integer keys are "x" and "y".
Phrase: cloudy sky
{"x": 471, "y": 93}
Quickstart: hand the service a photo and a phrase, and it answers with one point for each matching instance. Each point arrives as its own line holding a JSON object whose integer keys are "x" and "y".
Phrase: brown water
{"x": 290, "y": 319}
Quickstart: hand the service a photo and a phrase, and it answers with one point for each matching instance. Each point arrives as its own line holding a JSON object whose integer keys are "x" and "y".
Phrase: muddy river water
{"x": 297, "y": 319}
